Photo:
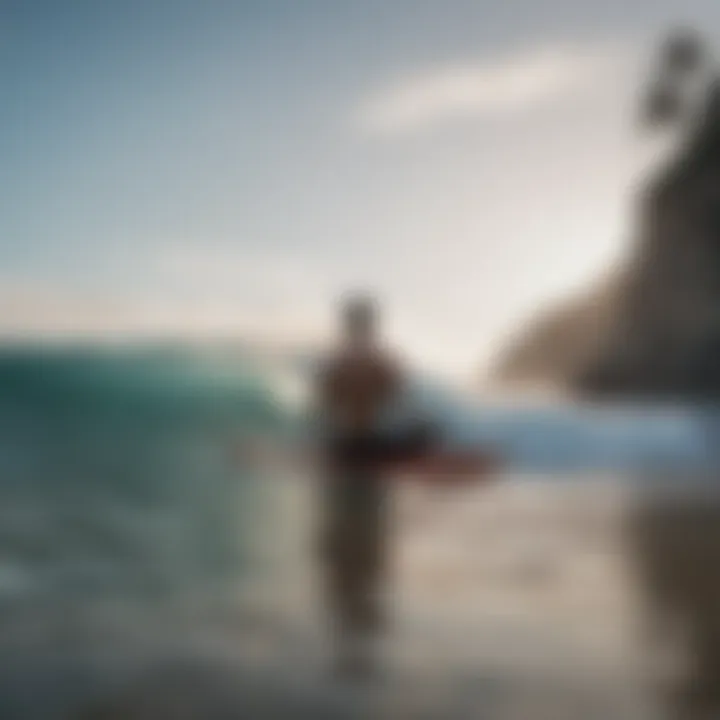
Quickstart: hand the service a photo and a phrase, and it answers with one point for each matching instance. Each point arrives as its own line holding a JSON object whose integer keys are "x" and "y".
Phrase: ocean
{"x": 131, "y": 533}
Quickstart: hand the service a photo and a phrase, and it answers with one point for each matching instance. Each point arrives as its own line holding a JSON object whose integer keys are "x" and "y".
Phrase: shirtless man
{"x": 357, "y": 454}
{"x": 355, "y": 388}
{"x": 358, "y": 385}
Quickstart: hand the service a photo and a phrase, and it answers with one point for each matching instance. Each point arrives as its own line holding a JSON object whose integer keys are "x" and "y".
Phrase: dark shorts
{"x": 368, "y": 450}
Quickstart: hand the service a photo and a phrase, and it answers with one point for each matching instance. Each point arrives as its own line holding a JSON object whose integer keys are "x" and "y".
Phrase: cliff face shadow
{"x": 651, "y": 329}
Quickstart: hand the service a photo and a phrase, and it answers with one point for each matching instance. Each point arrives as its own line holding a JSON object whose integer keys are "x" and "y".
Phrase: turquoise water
{"x": 117, "y": 472}
{"x": 124, "y": 512}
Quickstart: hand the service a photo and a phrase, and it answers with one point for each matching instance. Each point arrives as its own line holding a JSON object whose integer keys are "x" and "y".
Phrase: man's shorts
{"x": 375, "y": 449}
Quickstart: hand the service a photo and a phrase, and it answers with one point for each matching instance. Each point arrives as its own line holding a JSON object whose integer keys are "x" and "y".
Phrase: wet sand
{"x": 512, "y": 602}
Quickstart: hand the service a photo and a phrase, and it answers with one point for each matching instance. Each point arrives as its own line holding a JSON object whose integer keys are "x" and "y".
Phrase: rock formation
{"x": 665, "y": 336}
{"x": 561, "y": 343}
{"x": 656, "y": 331}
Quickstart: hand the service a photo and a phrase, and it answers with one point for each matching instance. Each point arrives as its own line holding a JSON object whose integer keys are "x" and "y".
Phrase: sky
{"x": 217, "y": 167}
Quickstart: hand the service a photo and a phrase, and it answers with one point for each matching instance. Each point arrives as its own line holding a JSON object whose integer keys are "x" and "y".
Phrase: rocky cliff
{"x": 657, "y": 331}
{"x": 561, "y": 342}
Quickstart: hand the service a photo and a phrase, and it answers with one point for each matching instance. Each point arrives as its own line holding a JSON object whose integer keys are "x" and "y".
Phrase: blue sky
{"x": 231, "y": 167}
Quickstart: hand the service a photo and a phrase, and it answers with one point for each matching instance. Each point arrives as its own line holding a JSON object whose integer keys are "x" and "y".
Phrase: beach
{"x": 509, "y": 601}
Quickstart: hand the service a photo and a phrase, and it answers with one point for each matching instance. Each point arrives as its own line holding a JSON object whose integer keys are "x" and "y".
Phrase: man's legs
{"x": 355, "y": 569}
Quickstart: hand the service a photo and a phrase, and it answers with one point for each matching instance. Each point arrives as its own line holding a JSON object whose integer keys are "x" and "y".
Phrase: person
{"x": 358, "y": 383}
{"x": 354, "y": 449}
{"x": 356, "y": 391}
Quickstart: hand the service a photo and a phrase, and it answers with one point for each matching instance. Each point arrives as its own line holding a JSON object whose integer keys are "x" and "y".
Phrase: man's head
{"x": 359, "y": 318}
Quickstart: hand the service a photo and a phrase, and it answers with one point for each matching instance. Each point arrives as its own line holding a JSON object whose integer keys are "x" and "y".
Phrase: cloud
{"x": 195, "y": 292}
{"x": 34, "y": 308}
{"x": 473, "y": 89}
{"x": 34, "y": 312}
